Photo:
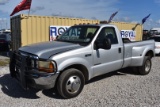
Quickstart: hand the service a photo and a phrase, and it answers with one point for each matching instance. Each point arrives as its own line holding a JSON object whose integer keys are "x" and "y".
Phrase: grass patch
{"x": 4, "y": 62}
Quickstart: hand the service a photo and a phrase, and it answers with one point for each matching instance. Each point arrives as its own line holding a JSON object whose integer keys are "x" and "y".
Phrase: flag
{"x": 112, "y": 16}
{"x": 144, "y": 19}
{"x": 24, "y": 5}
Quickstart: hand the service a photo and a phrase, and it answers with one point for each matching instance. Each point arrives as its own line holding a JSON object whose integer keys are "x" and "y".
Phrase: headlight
{"x": 47, "y": 66}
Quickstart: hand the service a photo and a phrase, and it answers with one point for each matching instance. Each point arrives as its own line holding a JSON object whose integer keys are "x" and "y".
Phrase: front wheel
{"x": 70, "y": 83}
{"x": 146, "y": 67}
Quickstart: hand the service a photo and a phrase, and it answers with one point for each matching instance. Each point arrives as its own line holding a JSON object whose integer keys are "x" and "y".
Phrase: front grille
{"x": 30, "y": 61}
{"x": 19, "y": 65}
{"x": 18, "y": 60}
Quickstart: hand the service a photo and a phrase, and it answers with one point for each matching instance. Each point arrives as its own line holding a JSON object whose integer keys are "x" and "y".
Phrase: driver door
{"x": 107, "y": 60}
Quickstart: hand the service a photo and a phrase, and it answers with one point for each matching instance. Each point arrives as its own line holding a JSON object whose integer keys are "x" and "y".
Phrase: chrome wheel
{"x": 70, "y": 83}
{"x": 147, "y": 66}
{"x": 73, "y": 84}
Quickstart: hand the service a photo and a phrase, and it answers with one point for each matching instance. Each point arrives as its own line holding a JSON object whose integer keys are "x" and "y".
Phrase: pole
{"x": 29, "y": 8}
{"x": 135, "y": 26}
{"x": 28, "y": 13}
{"x": 6, "y": 24}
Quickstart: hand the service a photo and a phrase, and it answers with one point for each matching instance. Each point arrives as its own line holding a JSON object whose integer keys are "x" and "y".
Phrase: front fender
{"x": 72, "y": 61}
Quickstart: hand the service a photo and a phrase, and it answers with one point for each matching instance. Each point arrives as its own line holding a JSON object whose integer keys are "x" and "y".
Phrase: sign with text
{"x": 128, "y": 34}
{"x": 57, "y": 30}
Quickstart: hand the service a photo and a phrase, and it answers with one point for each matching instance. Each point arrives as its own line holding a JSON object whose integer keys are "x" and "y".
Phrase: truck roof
{"x": 100, "y": 25}
{"x": 156, "y": 29}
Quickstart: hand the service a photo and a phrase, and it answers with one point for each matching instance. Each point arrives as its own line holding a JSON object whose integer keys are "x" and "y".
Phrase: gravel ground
{"x": 117, "y": 89}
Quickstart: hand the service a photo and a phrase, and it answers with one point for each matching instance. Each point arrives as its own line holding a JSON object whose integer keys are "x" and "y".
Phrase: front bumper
{"x": 40, "y": 80}
{"x": 30, "y": 77}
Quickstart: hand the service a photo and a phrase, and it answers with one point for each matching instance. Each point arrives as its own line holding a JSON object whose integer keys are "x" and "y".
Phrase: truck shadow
{"x": 52, "y": 93}
{"x": 127, "y": 71}
{"x": 124, "y": 71}
{"x": 10, "y": 87}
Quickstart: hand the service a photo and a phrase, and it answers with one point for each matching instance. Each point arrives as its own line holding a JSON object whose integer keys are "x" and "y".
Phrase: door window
{"x": 108, "y": 32}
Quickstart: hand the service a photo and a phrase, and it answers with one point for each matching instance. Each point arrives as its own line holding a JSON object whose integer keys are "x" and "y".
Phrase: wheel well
{"x": 80, "y": 67}
{"x": 150, "y": 53}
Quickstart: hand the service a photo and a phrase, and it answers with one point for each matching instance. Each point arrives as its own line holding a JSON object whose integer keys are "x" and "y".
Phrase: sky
{"x": 132, "y": 11}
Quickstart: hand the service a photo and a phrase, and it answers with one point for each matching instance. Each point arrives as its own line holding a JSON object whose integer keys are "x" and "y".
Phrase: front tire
{"x": 146, "y": 67}
{"x": 70, "y": 83}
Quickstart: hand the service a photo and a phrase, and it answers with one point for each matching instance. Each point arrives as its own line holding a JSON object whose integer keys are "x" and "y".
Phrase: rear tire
{"x": 146, "y": 67}
{"x": 70, "y": 83}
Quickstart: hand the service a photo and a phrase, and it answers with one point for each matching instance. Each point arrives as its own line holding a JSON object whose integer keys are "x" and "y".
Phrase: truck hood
{"x": 47, "y": 49}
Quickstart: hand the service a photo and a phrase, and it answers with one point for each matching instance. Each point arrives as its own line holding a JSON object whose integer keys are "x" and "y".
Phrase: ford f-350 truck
{"x": 78, "y": 55}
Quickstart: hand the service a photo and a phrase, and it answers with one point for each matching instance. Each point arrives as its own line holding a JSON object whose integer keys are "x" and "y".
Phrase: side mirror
{"x": 105, "y": 44}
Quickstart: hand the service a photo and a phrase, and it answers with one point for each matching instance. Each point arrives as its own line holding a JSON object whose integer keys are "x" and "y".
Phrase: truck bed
{"x": 134, "y": 52}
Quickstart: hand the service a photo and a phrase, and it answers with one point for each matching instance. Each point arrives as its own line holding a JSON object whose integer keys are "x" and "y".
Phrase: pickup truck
{"x": 79, "y": 54}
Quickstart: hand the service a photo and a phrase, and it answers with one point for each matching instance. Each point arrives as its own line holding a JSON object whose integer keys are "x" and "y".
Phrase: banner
{"x": 112, "y": 16}
{"x": 57, "y": 30}
{"x": 144, "y": 19}
{"x": 130, "y": 34}
{"x": 24, "y": 5}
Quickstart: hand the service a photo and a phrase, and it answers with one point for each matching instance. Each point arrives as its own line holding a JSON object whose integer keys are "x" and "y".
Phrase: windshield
{"x": 79, "y": 34}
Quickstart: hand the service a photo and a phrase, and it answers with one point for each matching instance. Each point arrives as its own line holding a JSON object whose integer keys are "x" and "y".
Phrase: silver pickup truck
{"x": 78, "y": 55}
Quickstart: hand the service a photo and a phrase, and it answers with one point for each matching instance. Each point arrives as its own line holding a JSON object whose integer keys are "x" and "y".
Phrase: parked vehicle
{"x": 157, "y": 44}
{"x": 5, "y": 42}
{"x": 79, "y": 54}
{"x": 155, "y": 31}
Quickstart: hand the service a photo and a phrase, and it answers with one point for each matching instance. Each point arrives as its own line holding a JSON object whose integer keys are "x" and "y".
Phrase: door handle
{"x": 119, "y": 50}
